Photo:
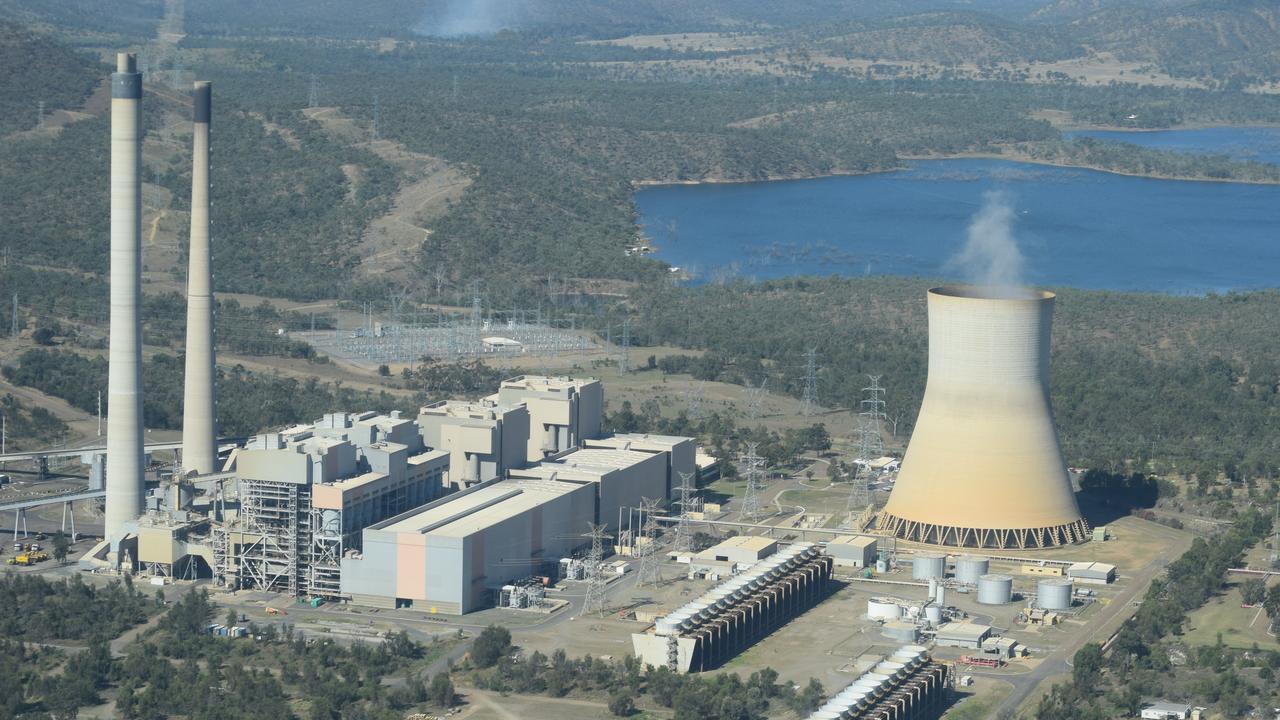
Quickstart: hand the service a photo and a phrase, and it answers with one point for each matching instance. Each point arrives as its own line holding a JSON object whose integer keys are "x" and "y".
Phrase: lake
{"x": 1076, "y": 228}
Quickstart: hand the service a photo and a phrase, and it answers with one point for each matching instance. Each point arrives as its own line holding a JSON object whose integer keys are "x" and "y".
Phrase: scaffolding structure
{"x": 269, "y": 548}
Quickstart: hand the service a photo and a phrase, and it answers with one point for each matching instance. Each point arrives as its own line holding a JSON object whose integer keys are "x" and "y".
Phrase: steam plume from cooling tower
{"x": 458, "y": 18}
{"x": 991, "y": 258}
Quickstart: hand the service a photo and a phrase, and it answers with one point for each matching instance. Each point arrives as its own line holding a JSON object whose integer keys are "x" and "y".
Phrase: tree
{"x": 231, "y": 617}
{"x": 42, "y": 336}
{"x": 1253, "y": 591}
{"x": 441, "y": 691}
{"x": 621, "y": 704}
{"x": 1086, "y": 666}
{"x": 61, "y": 546}
{"x": 493, "y": 643}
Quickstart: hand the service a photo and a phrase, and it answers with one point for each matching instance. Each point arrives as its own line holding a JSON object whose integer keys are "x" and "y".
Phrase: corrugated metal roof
{"x": 486, "y": 506}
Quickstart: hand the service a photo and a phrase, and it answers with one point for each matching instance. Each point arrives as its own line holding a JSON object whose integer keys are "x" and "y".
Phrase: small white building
{"x": 1094, "y": 573}
{"x": 1164, "y": 710}
{"x": 857, "y": 551}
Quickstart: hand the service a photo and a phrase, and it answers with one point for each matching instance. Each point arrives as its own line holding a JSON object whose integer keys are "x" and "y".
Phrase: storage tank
{"x": 900, "y": 631}
{"x": 1054, "y": 594}
{"x": 933, "y": 613}
{"x": 983, "y": 467}
{"x": 885, "y": 609}
{"x": 971, "y": 567}
{"x": 995, "y": 589}
{"x": 926, "y": 566}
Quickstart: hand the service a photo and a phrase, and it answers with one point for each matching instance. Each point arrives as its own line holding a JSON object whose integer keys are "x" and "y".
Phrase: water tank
{"x": 885, "y": 609}
{"x": 971, "y": 567}
{"x": 940, "y": 595}
{"x": 1054, "y": 594}
{"x": 995, "y": 589}
{"x": 899, "y": 631}
{"x": 928, "y": 565}
{"x": 933, "y": 613}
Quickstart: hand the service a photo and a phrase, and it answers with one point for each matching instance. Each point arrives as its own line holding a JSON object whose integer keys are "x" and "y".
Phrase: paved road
{"x": 1058, "y": 661}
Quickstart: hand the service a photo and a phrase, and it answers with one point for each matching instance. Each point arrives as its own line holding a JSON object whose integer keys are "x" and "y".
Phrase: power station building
{"x": 983, "y": 468}
{"x": 563, "y": 411}
{"x": 433, "y": 512}
{"x": 451, "y": 555}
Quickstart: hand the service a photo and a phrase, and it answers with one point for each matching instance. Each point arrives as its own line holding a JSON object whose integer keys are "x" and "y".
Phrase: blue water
{"x": 1076, "y": 228}
{"x": 1260, "y": 144}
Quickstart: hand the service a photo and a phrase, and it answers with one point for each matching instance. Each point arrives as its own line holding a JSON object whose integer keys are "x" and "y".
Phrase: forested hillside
{"x": 39, "y": 70}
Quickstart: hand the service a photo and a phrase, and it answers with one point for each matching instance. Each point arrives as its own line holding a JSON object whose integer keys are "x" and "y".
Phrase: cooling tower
{"x": 125, "y": 482}
{"x": 983, "y": 468}
{"x": 199, "y": 432}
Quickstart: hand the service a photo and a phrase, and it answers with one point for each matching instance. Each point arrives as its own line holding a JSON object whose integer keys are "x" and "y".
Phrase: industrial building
{"x": 680, "y": 453}
{"x": 436, "y": 511}
{"x": 563, "y": 411}
{"x": 1094, "y": 573}
{"x": 907, "y": 685}
{"x": 962, "y": 635}
{"x": 728, "y": 556}
{"x": 620, "y": 479}
{"x": 983, "y": 468}
{"x": 857, "y": 551}
{"x": 306, "y": 493}
{"x": 452, "y": 555}
{"x": 483, "y": 439}
{"x": 705, "y": 633}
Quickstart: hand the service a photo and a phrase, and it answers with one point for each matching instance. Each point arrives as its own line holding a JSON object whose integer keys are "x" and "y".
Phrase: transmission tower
{"x": 645, "y": 548}
{"x": 313, "y": 93}
{"x": 809, "y": 405}
{"x": 751, "y": 468}
{"x": 40, "y": 115}
{"x": 694, "y": 398}
{"x": 594, "y": 601}
{"x": 455, "y": 89}
{"x": 377, "y": 110}
{"x": 684, "y": 528}
{"x": 1275, "y": 537}
{"x": 13, "y": 323}
{"x": 624, "y": 349}
{"x": 755, "y": 399}
{"x": 870, "y": 442}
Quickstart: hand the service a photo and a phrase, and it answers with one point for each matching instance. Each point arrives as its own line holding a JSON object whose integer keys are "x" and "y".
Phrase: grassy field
{"x": 1239, "y": 627}
{"x": 978, "y": 702}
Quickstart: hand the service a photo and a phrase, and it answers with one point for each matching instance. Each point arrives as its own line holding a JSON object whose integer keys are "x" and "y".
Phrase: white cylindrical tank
{"x": 928, "y": 566}
{"x": 885, "y": 609}
{"x": 940, "y": 595}
{"x": 995, "y": 589}
{"x": 971, "y": 567}
{"x": 984, "y": 457}
{"x": 1054, "y": 594}
{"x": 125, "y": 482}
{"x": 933, "y": 613}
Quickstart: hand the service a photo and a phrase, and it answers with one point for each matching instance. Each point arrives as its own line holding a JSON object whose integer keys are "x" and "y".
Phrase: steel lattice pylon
{"x": 594, "y": 601}
{"x": 645, "y": 548}
{"x": 684, "y": 528}
{"x": 809, "y": 405}
{"x": 751, "y": 468}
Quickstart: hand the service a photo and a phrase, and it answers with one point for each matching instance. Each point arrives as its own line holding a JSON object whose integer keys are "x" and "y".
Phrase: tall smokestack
{"x": 125, "y": 482}
{"x": 983, "y": 468}
{"x": 199, "y": 434}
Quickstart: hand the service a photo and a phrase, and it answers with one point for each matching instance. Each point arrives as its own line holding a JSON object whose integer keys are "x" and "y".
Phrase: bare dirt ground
{"x": 430, "y": 186}
{"x": 688, "y": 42}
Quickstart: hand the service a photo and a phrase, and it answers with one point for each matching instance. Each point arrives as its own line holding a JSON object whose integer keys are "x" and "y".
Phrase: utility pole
{"x": 809, "y": 404}
{"x": 593, "y": 603}
{"x": 751, "y": 467}
{"x": 99, "y": 413}
{"x": 684, "y": 528}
